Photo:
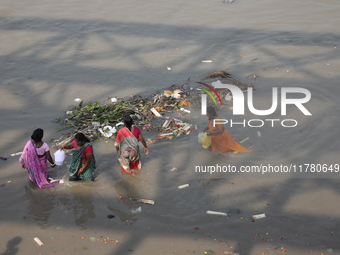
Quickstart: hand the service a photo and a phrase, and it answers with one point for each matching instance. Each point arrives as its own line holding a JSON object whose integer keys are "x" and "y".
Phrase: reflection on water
{"x": 80, "y": 203}
{"x": 128, "y": 190}
{"x": 51, "y": 57}
{"x": 40, "y": 204}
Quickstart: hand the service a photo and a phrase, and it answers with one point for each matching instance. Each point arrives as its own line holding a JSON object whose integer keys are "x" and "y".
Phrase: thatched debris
{"x": 101, "y": 120}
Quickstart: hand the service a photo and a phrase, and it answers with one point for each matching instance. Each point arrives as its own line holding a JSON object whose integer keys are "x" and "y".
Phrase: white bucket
{"x": 59, "y": 157}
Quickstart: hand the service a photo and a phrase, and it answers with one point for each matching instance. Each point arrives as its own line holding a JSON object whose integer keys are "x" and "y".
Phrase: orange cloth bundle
{"x": 223, "y": 142}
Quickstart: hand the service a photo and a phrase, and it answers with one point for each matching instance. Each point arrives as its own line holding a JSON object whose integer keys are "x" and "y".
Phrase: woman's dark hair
{"x": 37, "y": 135}
{"x": 82, "y": 138}
{"x": 128, "y": 121}
{"x": 212, "y": 111}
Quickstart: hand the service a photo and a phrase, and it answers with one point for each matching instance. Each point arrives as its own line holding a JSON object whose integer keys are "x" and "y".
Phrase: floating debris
{"x": 137, "y": 210}
{"x": 217, "y": 213}
{"x": 183, "y": 186}
{"x": 258, "y": 216}
{"x": 146, "y": 201}
{"x": 103, "y": 120}
{"x": 154, "y": 111}
{"x": 39, "y": 242}
{"x": 16, "y": 154}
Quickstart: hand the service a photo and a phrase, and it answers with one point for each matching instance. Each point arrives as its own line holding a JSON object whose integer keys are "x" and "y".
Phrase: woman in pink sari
{"x": 127, "y": 146}
{"x": 34, "y": 159}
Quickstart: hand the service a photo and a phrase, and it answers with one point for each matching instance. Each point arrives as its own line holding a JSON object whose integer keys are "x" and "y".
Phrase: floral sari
{"x": 128, "y": 152}
{"x": 36, "y": 167}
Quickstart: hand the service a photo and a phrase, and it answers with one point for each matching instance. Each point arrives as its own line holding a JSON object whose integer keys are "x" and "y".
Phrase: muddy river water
{"x": 52, "y": 52}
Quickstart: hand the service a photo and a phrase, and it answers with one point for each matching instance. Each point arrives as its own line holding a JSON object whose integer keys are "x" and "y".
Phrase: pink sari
{"x": 36, "y": 167}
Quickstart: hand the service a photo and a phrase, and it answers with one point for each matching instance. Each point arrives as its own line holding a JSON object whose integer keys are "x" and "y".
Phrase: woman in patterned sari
{"x": 83, "y": 162}
{"x": 34, "y": 159}
{"x": 127, "y": 146}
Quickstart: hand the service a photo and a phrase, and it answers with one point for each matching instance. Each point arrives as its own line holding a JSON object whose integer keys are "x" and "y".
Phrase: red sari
{"x": 128, "y": 151}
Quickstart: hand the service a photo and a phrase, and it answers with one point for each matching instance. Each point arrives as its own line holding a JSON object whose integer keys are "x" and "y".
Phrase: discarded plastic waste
{"x": 114, "y": 100}
{"x": 107, "y": 131}
{"x": 16, "y": 154}
{"x": 245, "y": 139}
{"x": 217, "y": 213}
{"x": 168, "y": 68}
{"x": 146, "y": 201}
{"x": 228, "y": 97}
{"x": 167, "y": 93}
{"x": 59, "y": 157}
{"x": 228, "y": 1}
{"x": 96, "y": 124}
{"x": 166, "y": 123}
{"x": 258, "y": 216}
{"x": 154, "y": 111}
{"x": 206, "y": 61}
{"x": 110, "y": 216}
{"x": 39, "y": 242}
{"x": 185, "y": 110}
{"x": 205, "y": 140}
{"x": 137, "y": 210}
{"x": 183, "y": 186}
{"x": 215, "y": 83}
{"x": 176, "y": 96}
{"x": 173, "y": 169}
{"x": 77, "y": 99}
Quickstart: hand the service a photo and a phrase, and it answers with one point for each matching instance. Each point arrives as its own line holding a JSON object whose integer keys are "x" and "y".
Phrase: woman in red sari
{"x": 221, "y": 140}
{"x": 127, "y": 146}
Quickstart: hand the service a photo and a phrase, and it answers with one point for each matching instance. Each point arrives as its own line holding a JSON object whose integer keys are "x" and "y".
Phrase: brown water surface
{"x": 52, "y": 52}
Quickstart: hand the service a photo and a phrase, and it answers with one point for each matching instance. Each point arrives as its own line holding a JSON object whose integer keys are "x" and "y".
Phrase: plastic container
{"x": 205, "y": 140}
{"x": 59, "y": 157}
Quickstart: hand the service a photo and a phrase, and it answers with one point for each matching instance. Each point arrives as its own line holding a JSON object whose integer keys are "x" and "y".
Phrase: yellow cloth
{"x": 205, "y": 140}
{"x": 223, "y": 142}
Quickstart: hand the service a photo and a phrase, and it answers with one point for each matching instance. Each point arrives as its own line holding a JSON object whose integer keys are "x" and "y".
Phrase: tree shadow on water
{"x": 185, "y": 209}
{"x": 11, "y": 247}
